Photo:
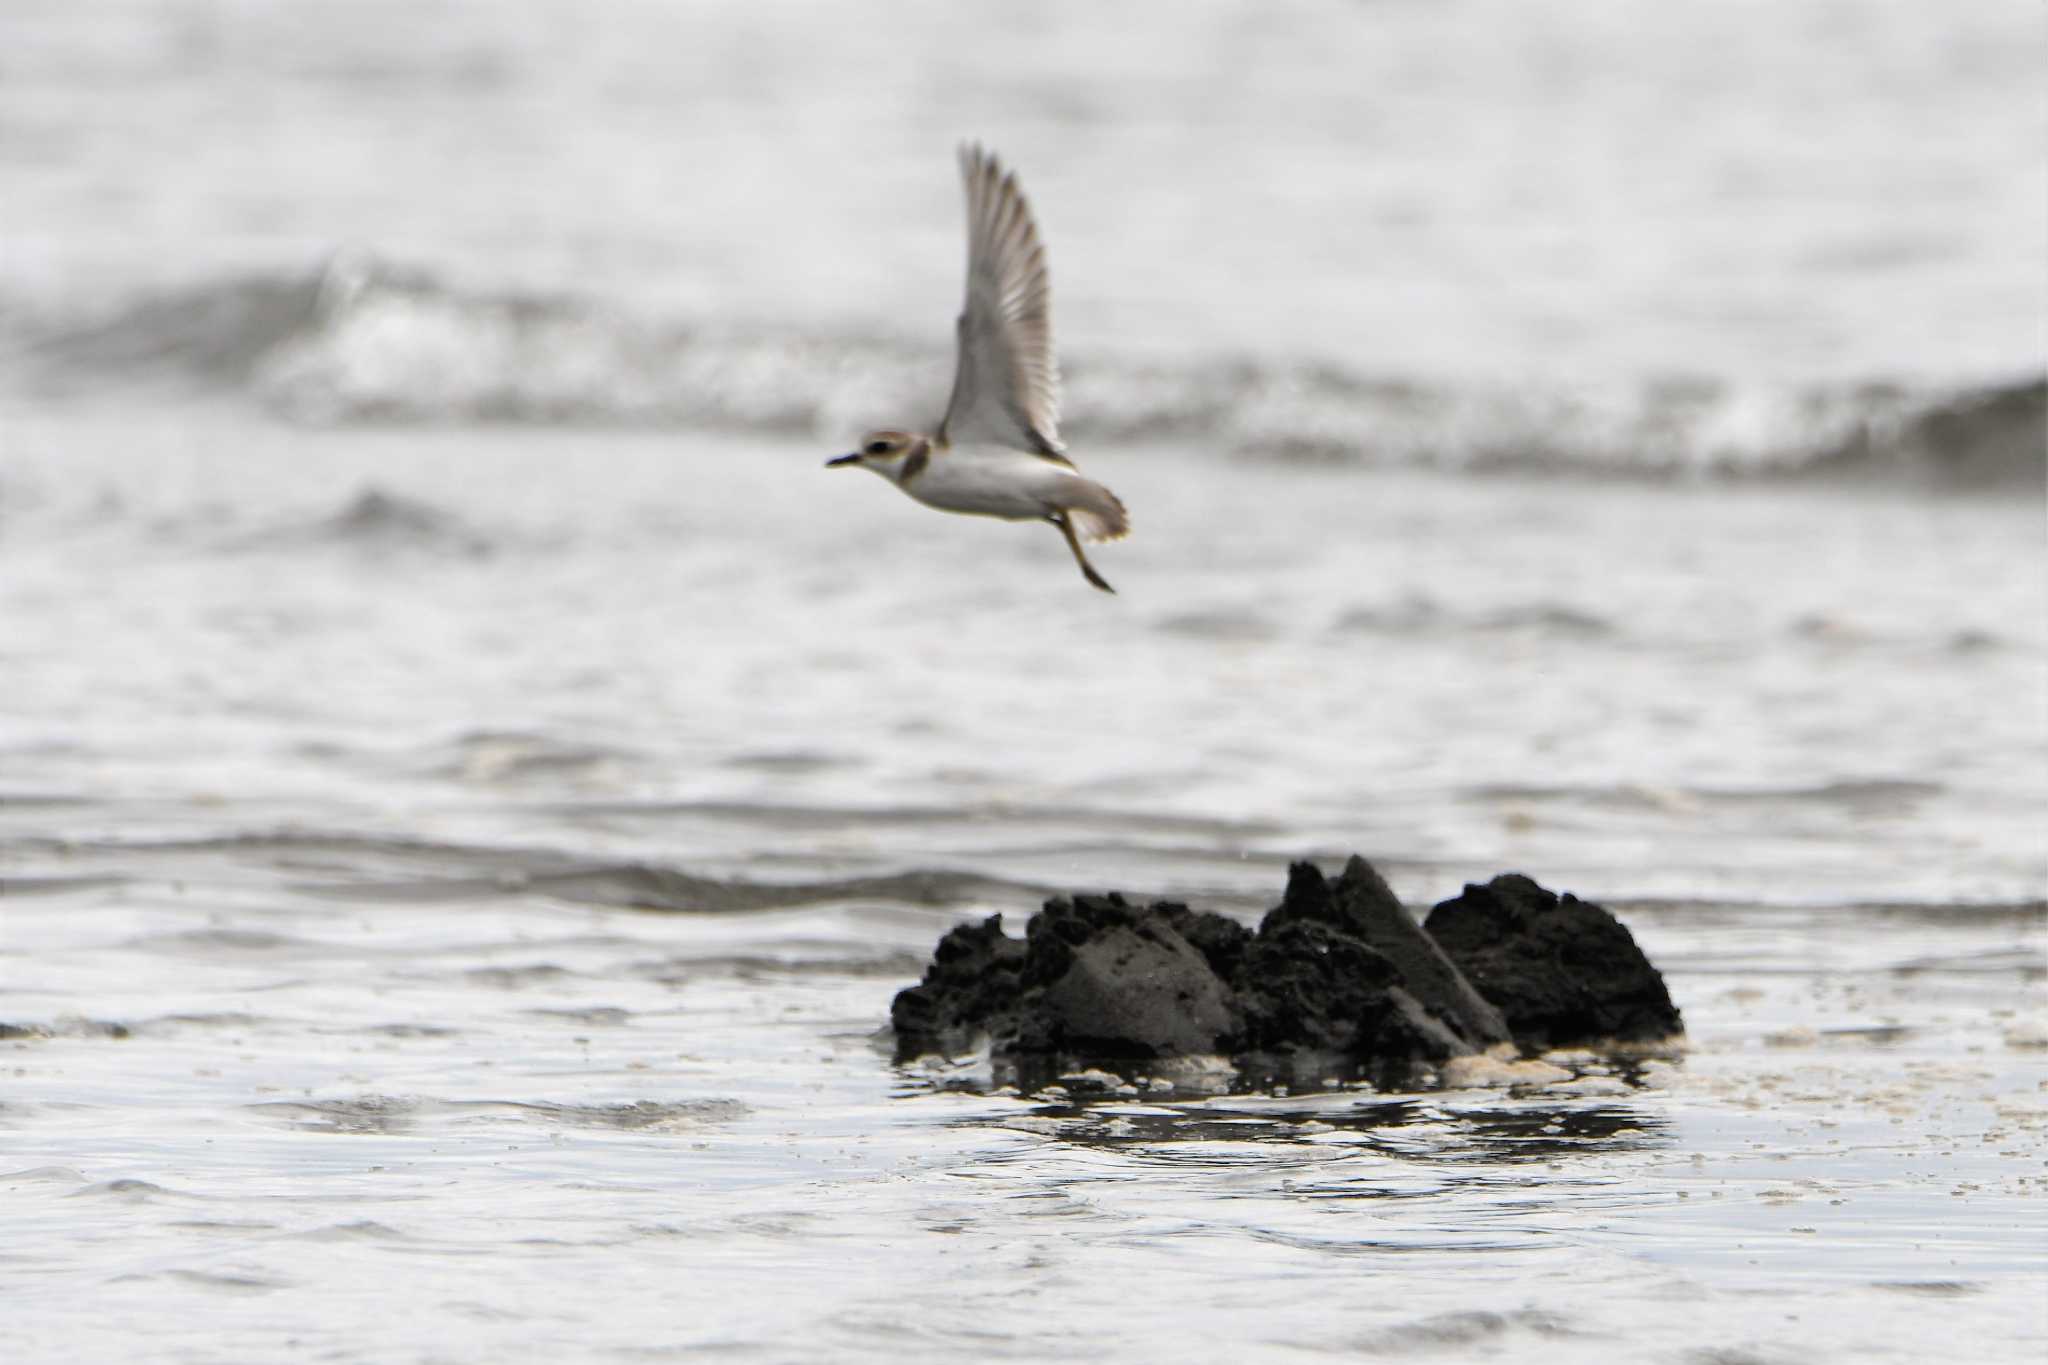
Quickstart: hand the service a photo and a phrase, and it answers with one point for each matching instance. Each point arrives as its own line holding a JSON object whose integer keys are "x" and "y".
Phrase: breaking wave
{"x": 364, "y": 341}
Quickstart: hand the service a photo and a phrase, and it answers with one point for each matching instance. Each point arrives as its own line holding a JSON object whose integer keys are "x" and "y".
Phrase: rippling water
{"x": 470, "y": 783}
{"x": 465, "y": 872}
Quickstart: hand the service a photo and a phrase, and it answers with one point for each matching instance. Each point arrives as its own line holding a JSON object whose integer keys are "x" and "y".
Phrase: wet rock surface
{"x": 1563, "y": 971}
{"x": 1359, "y": 904}
{"x": 1338, "y": 970}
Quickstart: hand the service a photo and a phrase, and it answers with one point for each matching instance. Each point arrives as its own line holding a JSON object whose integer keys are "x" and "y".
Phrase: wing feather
{"x": 1006, "y": 387}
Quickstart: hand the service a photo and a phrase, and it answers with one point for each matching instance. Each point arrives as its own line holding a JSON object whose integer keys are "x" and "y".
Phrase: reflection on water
{"x": 1128, "y": 1105}
{"x": 1407, "y": 1128}
{"x": 1093, "y": 1077}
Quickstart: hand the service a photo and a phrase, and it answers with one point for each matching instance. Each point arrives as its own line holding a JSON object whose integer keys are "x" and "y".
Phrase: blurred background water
{"x": 470, "y": 783}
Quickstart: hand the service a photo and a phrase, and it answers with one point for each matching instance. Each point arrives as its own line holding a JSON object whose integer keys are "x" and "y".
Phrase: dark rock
{"x": 1307, "y": 897}
{"x": 1564, "y": 972}
{"x": 1134, "y": 991}
{"x": 1306, "y": 983}
{"x": 1219, "y": 939}
{"x": 1338, "y": 968}
{"x": 1359, "y": 902}
{"x": 1402, "y": 1028}
{"x": 1093, "y": 975}
{"x": 1064, "y": 925}
{"x": 973, "y": 975}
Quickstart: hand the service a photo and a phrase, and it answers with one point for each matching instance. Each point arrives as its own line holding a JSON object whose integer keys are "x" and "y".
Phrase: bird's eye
{"x": 878, "y": 447}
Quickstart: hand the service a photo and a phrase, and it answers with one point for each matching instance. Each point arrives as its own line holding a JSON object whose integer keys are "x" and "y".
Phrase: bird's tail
{"x": 1097, "y": 513}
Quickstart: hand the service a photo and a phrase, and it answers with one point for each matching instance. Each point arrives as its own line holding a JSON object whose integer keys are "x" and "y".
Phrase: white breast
{"x": 991, "y": 481}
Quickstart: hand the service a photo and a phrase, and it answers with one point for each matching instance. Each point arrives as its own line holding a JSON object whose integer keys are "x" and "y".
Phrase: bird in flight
{"x": 997, "y": 451}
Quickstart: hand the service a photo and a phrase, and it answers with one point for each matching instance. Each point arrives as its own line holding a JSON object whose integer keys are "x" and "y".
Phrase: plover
{"x": 997, "y": 451}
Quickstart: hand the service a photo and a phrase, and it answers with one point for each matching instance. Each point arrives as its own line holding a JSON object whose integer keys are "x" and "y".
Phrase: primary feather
{"x": 1007, "y": 381}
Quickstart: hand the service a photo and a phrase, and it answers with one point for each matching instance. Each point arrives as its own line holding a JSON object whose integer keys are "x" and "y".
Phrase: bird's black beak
{"x": 842, "y": 459}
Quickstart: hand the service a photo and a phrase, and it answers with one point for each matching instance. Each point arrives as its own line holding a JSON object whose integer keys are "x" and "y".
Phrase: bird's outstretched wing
{"x": 1006, "y": 389}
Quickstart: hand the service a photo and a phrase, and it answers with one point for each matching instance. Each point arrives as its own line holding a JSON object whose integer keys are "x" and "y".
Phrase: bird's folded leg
{"x": 1060, "y": 520}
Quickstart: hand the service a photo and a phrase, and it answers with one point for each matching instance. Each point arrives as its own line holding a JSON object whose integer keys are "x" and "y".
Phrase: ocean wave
{"x": 383, "y": 869}
{"x": 1841, "y": 633}
{"x": 365, "y": 341}
{"x": 651, "y": 886}
{"x": 1418, "y": 614}
{"x": 380, "y": 523}
{"x": 509, "y": 757}
{"x": 1867, "y": 795}
{"x": 69, "y": 1026}
{"x": 389, "y": 1114}
{"x": 1222, "y": 624}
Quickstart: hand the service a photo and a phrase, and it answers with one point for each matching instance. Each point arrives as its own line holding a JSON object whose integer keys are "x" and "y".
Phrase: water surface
{"x": 471, "y": 783}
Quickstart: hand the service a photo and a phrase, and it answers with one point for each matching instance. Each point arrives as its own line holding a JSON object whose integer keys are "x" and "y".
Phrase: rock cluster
{"x": 1338, "y": 969}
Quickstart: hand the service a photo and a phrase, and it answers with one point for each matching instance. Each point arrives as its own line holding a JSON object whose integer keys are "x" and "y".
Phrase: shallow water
{"x": 522, "y": 1127}
{"x": 712, "y": 654}
{"x": 471, "y": 783}
{"x": 456, "y": 920}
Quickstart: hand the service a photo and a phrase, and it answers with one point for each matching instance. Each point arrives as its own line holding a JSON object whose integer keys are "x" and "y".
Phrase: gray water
{"x": 470, "y": 783}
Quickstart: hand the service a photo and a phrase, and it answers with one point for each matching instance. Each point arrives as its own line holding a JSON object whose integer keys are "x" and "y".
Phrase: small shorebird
{"x": 997, "y": 451}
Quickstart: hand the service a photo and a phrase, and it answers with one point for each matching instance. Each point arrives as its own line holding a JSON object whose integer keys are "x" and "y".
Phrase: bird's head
{"x": 888, "y": 453}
